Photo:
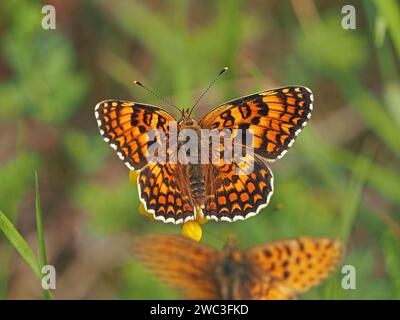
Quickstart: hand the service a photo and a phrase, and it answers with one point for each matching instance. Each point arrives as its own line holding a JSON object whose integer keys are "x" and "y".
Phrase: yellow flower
{"x": 201, "y": 219}
{"x": 143, "y": 211}
{"x": 192, "y": 230}
{"x": 133, "y": 176}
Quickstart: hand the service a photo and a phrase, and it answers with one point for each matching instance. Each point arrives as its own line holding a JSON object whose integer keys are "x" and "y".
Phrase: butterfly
{"x": 178, "y": 192}
{"x": 279, "y": 270}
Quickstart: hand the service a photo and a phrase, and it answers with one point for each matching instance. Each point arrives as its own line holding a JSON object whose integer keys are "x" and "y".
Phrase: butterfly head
{"x": 186, "y": 120}
{"x": 231, "y": 250}
{"x": 185, "y": 113}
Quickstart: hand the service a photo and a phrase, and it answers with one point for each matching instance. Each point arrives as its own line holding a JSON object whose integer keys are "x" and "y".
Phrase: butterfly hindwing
{"x": 164, "y": 191}
{"x": 275, "y": 118}
{"x": 125, "y": 126}
{"x": 234, "y": 194}
{"x": 260, "y": 286}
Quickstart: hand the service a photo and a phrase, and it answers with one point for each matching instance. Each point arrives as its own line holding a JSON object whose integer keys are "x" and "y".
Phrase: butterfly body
{"x": 195, "y": 170}
{"x": 230, "y": 272}
{"x": 179, "y": 191}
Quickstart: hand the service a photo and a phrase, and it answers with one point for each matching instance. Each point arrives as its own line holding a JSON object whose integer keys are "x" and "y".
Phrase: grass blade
{"x": 390, "y": 10}
{"x": 391, "y": 247}
{"x": 353, "y": 195}
{"x": 22, "y": 247}
{"x": 40, "y": 233}
{"x": 39, "y": 224}
{"x": 19, "y": 243}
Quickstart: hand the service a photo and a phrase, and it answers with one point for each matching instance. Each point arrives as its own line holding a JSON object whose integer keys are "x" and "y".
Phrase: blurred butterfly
{"x": 279, "y": 270}
{"x": 177, "y": 192}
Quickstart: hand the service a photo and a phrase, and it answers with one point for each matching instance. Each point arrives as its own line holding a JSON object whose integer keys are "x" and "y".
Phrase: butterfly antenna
{"x": 156, "y": 95}
{"x": 208, "y": 88}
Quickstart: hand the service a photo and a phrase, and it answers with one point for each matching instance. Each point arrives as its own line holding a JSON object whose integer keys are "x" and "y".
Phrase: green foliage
{"x": 45, "y": 84}
{"x": 368, "y": 284}
{"x": 19, "y": 243}
{"x": 146, "y": 286}
{"x": 391, "y": 247}
{"x": 181, "y": 54}
{"x": 86, "y": 152}
{"x": 321, "y": 45}
{"x": 97, "y": 201}
{"x": 15, "y": 178}
{"x": 390, "y": 11}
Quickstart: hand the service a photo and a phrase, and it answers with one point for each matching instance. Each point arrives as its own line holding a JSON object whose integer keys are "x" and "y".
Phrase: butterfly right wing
{"x": 262, "y": 287}
{"x": 275, "y": 117}
{"x": 297, "y": 264}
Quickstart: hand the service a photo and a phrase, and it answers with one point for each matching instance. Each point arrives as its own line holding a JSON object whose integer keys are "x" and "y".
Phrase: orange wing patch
{"x": 125, "y": 126}
{"x": 233, "y": 195}
{"x": 297, "y": 264}
{"x": 164, "y": 192}
{"x": 276, "y": 118}
{"x": 272, "y": 290}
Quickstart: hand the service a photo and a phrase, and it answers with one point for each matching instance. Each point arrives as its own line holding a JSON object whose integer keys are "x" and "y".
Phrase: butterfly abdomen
{"x": 197, "y": 184}
{"x": 195, "y": 169}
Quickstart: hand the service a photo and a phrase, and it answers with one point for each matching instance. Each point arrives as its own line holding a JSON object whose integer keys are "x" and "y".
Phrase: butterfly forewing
{"x": 297, "y": 264}
{"x": 125, "y": 126}
{"x": 181, "y": 263}
{"x": 275, "y": 118}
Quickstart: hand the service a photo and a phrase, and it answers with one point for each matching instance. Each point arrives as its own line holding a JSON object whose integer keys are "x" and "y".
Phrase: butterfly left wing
{"x": 164, "y": 192}
{"x": 276, "y": 117}
{"x": 179, "y": 262}
{"x": 126, "y": 125}
{"x": 296, "y": 264}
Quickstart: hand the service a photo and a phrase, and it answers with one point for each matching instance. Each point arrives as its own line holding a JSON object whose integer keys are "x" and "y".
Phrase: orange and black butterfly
{"x": 279, "y": 270}
{"x": 176, "y": 192}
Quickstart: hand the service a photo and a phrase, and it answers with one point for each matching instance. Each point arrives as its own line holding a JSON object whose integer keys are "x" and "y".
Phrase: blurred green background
{"x": 341, "y": 178}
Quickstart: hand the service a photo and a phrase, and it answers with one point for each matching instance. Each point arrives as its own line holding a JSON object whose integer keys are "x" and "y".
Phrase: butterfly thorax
{"x": 230, "y": 272}
{"x": 194, "y": 169}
